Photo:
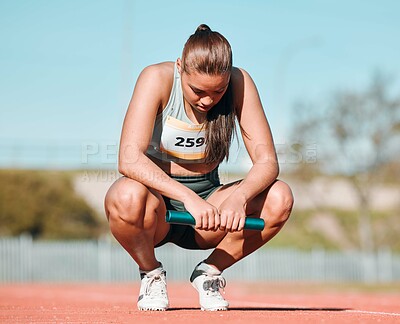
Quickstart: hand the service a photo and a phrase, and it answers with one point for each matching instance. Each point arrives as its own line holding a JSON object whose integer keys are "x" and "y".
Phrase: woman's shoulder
{"x": 159, "y": 77}
{"x": 240, "y": 79}
{"x": 163, "y": 70}
{"x": 239, "y": 74}
{"x": 242, "y": 86}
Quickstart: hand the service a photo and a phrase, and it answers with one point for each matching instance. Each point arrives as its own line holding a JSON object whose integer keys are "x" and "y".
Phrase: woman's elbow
{"x": 122, "y": 169}
{"x": 271, "y": 165}
{"x": 274, "y": 170}
{"x": 124, "y": 166}
{"x": 128, "y": 158}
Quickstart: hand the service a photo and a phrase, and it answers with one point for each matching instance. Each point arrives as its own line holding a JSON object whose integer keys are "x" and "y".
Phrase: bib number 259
{"x": 189, "y": 141}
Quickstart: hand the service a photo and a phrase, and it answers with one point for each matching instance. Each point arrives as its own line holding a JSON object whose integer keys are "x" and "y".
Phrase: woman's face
{"x": 203, "y": 91}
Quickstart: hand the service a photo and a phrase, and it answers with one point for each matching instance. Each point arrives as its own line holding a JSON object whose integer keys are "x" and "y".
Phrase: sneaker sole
{"x": 217, "y": 309}
{"x": 159, "y": 309}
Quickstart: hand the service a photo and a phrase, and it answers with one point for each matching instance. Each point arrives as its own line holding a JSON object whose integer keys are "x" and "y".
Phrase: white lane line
{"x": 256, "y": 304}
{"x": 370, "y": 312}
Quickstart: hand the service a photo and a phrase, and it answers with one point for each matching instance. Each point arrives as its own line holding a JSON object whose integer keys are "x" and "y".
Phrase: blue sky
{"x": 68, "y": 68}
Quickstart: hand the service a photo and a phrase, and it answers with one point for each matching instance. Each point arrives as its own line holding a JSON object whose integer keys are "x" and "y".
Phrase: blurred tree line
{"x": 45, "y": 205}
{"x": 357, "y": 133}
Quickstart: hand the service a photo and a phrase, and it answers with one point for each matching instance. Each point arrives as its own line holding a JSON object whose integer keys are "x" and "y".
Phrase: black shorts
{"x": 204, "y": 185}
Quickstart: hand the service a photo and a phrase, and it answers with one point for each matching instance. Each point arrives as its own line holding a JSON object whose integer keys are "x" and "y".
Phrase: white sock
{"x": 146, "y": 272}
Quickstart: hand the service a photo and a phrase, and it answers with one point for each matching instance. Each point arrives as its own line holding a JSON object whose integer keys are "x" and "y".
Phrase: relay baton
{"x": 184, "y": 218}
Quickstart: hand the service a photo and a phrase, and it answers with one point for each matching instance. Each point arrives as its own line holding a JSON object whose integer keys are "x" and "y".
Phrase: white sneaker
{"x": 207, "y": 281}
{"x": 153, "y": 290}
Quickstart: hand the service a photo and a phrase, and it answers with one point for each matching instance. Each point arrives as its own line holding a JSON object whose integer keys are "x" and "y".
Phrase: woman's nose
{"x": 206, "y": 101}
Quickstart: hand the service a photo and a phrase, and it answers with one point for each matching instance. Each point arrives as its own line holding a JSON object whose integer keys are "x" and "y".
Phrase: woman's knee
{"x": 126, "y": 200}
{"x": 280, "y": 202}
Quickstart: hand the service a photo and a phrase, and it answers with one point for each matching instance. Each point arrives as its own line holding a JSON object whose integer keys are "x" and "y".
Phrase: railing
{"x": 25, "y": 260}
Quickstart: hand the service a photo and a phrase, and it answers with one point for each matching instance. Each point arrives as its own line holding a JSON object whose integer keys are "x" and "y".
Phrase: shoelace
{"x": 156, "y": 280}
{"x": 213, "y": 285}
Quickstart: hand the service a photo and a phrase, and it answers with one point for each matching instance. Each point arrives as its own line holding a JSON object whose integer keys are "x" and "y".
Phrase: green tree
{"x": 45, "y": 205}
{"x": 358, "y": 137}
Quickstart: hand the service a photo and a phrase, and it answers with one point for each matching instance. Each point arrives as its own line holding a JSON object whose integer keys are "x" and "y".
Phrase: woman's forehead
{"x": 206, "y": 81}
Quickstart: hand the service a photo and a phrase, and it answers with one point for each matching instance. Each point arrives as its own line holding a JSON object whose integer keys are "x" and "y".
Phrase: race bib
{"x": 183, "y": 140}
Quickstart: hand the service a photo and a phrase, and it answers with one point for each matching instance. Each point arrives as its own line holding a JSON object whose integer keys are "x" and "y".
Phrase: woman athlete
{"x": 177, "y": 130}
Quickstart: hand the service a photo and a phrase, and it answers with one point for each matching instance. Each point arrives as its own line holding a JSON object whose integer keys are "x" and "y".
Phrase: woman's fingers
{"x": 231, "y": 221}
{"x": 212, "y": 219}
{"x": 208, "y": 220}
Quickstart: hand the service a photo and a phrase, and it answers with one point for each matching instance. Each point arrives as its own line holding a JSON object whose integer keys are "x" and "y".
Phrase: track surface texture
{"x": 249, "y": 303}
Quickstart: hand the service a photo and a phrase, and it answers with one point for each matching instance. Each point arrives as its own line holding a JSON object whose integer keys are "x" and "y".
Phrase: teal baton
{"x": 179, "y": 217}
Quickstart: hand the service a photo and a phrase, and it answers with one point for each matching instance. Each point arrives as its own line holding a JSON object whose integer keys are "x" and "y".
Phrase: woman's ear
{"x": 179, "y": 65}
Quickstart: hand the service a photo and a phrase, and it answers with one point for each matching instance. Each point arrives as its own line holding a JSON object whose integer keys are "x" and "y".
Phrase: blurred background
{"x": 328, "y": 74}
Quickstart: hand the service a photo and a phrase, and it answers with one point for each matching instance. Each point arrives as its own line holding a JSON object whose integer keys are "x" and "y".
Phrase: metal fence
{"x": 25, "y": 260}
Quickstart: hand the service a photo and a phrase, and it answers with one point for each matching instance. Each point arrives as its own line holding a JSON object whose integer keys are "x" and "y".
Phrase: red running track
{"x": 249, "y": 303}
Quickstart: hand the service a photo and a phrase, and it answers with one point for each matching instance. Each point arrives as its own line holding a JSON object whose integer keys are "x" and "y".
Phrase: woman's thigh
{"x": 257, "y": 207}
{"x": 274, "y": 195}
{"x": 129, "y": 198}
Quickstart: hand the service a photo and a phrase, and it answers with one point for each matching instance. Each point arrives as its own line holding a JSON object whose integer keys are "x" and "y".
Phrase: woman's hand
{"x": 206, "y": 215}
{"x": 232, "y": 214}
